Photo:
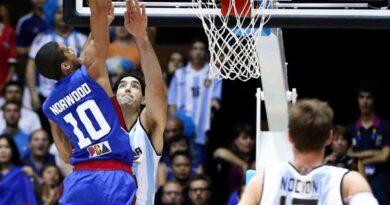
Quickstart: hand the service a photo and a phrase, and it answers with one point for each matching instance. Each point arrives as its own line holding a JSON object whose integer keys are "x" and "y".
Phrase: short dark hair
{"x": 340, "y": 130}
{"x": 178, "y": 138}
{"x": 310, "y": 122}
{"x": 11, "y": 102}
{"x": 366, "y": 86}
{"x": 135, "y": 73}
{"x": 242, "y": 128}
{"x": 199, "y": 39}
{"x": 181, "y": 153}
{"x": 48, "y": 60}
{"x": 12, "y": 83}
{"x": 15, "y": 158}
{"x": 202, "y": 177}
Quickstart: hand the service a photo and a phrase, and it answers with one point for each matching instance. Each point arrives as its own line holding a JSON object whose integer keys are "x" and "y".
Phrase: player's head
{"x": 310, "y": 125}
{"x": 55, "y": 60}
{"x": 130, "y": 89}
{"x": 365, "y": 94}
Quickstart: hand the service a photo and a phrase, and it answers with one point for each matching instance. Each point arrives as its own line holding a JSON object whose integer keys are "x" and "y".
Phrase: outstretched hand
{"x": 135, "y": 19}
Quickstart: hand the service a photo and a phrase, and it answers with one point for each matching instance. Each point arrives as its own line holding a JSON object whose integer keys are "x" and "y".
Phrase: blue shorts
{"x": 99, "y": 187}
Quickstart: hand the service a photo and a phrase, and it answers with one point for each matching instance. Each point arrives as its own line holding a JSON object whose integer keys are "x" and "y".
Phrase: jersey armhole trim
{"x": 341, "y": 187}
{"x": 262, "y": 186}
{"x": 148, "y": 135}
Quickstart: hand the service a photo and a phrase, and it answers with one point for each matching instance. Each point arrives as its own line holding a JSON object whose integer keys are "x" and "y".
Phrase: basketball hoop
{"x": 232, "y": 30}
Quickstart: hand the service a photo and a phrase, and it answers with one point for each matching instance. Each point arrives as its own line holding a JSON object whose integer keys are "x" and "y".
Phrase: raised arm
{"x": 95, "y": 54}
{"x": 155, "y": 113}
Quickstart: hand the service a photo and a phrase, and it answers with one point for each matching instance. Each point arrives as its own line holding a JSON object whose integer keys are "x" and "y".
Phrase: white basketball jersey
{"x": 283, "y": 185}
{"x": 145, "y": 164}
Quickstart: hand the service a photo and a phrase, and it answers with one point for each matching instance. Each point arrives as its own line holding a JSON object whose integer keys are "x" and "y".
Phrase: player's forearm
{"x": 86, "y": 44}
{"x": 155, "y": 89}
{"x": 99, "y": 28}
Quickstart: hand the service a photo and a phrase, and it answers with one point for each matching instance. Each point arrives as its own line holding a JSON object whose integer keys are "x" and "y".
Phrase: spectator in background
{"x": 240, "y": 156}
{"x": 193, "y": 93}
{"x": 172, "y": 194}
{"x": 39, "y": 156}
{"x": 199, "y": 190}
{"x": 11, "y": 114}
{"x": 51, "y": 179}
{"x": 371, "y": 143}
{"x": 124, "y": 50}
{"x": 7, "y": 49}
{"x": 15, "y": 187}
{"x": 29, "y": 120}
{"x": 27, "y": 28}
{"x": 176, "y": 144}
{"x": 41, "y": 88}
{"x": 340, "y": 145}
{"x": 176, "y": 60}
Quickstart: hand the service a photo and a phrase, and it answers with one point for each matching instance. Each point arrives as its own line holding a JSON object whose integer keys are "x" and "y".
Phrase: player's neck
{"x": 307, "y": 161}
{"x": 130, "y": 116}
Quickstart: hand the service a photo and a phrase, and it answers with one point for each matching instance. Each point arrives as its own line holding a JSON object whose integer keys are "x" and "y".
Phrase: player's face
{"x": 70, "y": 54}
{"x": 12, "y": 114}
{"x": 50, "y": 176}
{"x": 366, "y": 102}
{"x": 198, "y": 52}
{"x": 5, "y": 151}
{"x": 129, "y": 92}
{"x": 13, "y": 93}
{"x": 199, "y": 192}
{"x": 39, "y": 144}
{"x": 172, "y": 194}
{"x": 181, "y": 167}
{"x": 244, "y": 143}
{"x": 339, "y": 144}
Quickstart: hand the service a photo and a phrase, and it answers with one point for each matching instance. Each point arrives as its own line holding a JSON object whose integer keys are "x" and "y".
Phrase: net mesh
{"x": 232, "y": 34}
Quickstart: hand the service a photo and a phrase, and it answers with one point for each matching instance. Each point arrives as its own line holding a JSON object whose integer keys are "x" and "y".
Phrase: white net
{"x": 232, "y": 38}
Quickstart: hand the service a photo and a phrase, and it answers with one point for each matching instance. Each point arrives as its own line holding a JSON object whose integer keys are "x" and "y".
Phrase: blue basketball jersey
{"x": 84, "y": 112}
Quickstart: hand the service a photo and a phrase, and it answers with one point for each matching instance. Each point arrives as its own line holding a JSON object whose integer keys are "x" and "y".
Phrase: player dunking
{"x": 80, "y": 108}
{"x": 306, "y": 180}
{"x": 145, "y": 126}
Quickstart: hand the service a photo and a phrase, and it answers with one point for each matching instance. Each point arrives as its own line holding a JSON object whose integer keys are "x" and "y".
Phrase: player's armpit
{"x": 64, "y": 146}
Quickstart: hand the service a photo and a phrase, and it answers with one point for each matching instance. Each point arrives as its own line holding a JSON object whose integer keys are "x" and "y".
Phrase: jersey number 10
{"x": 87, "y": 123}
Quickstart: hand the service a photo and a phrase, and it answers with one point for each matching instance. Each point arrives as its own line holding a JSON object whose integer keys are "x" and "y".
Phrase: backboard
{"x": 285, "y": 13}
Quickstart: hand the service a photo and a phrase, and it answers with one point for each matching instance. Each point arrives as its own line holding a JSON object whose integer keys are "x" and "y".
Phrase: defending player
{"x": 145, "y": 126}
{"x": 306, "y": 180}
